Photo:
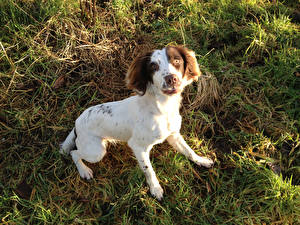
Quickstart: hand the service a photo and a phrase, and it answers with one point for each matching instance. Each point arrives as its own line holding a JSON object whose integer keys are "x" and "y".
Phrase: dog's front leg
{"x": 142, "y": 154}
{"x": 177, "y": 141}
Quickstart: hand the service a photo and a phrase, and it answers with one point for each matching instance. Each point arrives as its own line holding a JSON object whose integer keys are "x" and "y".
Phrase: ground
{"x": 59, "y": 57}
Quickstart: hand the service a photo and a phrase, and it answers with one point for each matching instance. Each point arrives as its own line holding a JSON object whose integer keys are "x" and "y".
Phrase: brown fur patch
{"x": 140, "y": 73}
{"x": 176, "y": 59}
{"x": 191, "y": 66}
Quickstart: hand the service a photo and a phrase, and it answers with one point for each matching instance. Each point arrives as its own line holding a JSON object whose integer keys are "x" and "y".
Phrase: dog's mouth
{"x": 171, "y": 91}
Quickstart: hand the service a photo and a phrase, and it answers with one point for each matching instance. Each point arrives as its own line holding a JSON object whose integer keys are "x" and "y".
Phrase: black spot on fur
{"x": 89, "y": 112}
{"x": 104, "y": 109}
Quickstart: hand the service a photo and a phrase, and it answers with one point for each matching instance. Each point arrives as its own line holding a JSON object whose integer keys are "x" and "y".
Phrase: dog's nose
{"x": 171, "y": 80}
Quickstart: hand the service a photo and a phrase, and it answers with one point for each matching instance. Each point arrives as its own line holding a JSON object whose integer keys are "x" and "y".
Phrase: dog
{"x": 143, "y": 120}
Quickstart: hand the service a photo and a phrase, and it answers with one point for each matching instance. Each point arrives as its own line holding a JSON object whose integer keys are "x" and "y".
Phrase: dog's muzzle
{"x": 171, "y": 84}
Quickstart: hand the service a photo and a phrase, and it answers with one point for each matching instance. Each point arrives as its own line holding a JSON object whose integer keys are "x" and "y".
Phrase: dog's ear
{"x": 191, "y": 67}
{"x": 139, "y": 73}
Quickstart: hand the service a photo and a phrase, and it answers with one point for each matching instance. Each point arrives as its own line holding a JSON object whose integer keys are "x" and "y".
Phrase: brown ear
{"x": 191, "y": 66}
{"x": 139, "y": 74}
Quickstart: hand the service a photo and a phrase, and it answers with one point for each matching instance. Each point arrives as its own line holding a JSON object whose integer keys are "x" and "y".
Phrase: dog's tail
{"x": 69, "y": 143}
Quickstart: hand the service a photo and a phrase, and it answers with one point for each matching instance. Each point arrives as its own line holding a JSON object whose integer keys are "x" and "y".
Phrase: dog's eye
{"x": 154, "y": 66}
{"x": 176, "y": 61}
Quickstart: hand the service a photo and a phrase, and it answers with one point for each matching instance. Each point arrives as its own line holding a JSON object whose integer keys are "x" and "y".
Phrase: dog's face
{"x": 169, "y": 70}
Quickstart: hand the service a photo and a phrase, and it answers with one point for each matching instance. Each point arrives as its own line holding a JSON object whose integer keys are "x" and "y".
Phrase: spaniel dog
{"x": 143, "y": 120}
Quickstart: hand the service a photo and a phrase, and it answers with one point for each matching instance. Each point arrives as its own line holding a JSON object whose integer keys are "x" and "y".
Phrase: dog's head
{"x": 169, "y": 70}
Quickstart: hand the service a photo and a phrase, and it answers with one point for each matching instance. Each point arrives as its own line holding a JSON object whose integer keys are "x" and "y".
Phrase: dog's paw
{"x": 85, "y": 172}
{"x": 157, "y": 192}
{"x": 204, "y": 161}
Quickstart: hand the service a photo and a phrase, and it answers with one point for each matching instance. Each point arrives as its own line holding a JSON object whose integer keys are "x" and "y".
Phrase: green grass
{"x": 55, "y": 62}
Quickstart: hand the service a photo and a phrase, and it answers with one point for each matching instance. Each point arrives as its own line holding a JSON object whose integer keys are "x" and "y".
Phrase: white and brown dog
{"x": 143, "y": 120}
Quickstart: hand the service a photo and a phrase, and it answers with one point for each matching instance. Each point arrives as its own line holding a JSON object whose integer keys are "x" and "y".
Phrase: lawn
{"x": 58, "y": 57}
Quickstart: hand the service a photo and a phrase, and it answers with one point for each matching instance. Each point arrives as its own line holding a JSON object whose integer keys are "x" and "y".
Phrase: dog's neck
{"x": 164, "y": 104}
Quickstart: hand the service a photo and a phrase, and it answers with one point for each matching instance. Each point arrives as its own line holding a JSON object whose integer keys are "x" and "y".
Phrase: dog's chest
{"x": 166, "y": 125}
{"x": 174, "y": 123}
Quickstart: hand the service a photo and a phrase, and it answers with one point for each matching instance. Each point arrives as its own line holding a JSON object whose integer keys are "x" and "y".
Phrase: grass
{"x": 55, "y": 61}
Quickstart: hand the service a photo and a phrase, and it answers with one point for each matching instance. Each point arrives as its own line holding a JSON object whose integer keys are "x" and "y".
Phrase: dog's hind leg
{"x": 91, "y": 149}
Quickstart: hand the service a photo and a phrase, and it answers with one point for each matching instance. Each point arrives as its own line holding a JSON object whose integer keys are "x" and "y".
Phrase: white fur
{"x": 141, "y": 121}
